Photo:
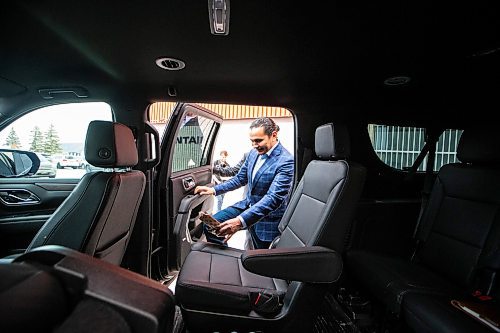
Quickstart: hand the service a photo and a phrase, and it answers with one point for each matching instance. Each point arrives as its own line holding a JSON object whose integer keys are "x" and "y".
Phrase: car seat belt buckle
{"x": 265, "y": 303}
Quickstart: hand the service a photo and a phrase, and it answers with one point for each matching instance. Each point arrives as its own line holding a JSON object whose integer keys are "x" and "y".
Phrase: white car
{"x": 69, "y": 161}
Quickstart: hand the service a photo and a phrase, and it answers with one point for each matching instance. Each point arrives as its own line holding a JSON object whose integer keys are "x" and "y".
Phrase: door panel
{"x": 25, "y": 205}
{"x": 187, "y": 149}
{"x": 186, "y": 207}
{"x": 186, "y": 222}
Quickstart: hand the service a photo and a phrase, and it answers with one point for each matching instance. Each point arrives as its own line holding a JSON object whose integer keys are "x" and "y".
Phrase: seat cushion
{"x": 213, "y": 279}
{"x": 431, "y": 313}
{"x": 391, "y": 279}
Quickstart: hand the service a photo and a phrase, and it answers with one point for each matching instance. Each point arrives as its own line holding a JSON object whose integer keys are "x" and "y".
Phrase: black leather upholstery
{"x": 55, "y": 289}
{"x": 31, "y": 299}
{"x": 220, "y": 281}
{"x": 98, "y": 216}
{"x": 110, "y": 145}
{"x": 459, "y": 235}
{"x": 332, "y": 142}
{"x": 314, "y": 264}
{"x": 430, "y": 313}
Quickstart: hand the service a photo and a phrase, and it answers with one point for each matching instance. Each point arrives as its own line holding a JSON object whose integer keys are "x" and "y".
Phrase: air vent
{"x": 397, "y": 81}
{"x": 170, "y": 64}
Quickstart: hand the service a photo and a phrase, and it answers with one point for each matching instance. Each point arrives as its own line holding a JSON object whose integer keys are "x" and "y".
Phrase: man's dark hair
{"x": 266, "y": 122}
{"x": 223, "y": 152}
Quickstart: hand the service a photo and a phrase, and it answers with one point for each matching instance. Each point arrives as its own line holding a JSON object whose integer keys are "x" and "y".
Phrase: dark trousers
{"x": 227, "y": 214}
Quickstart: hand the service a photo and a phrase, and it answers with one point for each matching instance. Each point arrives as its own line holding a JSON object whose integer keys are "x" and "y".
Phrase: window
{"x": 57, "y": 135}
{"x": 399, "y": 146}
{"x": 192, "y": 143}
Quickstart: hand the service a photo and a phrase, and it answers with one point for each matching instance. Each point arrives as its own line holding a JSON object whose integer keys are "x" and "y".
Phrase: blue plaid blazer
{"x": 268, "y": 192}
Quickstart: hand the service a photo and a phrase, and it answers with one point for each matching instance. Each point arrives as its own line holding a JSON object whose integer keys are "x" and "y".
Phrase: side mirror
{"x": 18, "y": 163}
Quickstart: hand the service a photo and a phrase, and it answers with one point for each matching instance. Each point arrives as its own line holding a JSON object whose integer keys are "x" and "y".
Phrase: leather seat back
{"x": 462, "y": 217}
{"x": 98, "y": 216}
{"x": 321, "y": 208}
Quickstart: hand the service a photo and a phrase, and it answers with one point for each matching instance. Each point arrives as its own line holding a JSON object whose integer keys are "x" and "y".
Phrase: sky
{"x": 70, "y": 121}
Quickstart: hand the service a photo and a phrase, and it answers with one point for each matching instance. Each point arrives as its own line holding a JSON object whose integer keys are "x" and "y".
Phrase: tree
{"x": 51, "y": 145}
{"x": 37, "y": 142}
{"x": 13, "y": 140}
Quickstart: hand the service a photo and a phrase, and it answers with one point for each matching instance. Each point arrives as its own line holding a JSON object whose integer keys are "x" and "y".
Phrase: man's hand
{"x": 229, "y": 228}
{"x": 204, "y": 190}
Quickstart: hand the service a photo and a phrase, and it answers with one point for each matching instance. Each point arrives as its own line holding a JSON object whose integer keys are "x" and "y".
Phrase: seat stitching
{"x": 57, "y": 225}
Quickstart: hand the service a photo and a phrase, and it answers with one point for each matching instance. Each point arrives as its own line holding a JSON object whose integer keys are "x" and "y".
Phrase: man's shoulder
{"x": 284, "y": 153}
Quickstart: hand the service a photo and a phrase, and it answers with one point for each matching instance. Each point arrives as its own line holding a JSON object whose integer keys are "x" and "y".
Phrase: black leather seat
{"x": 433, "y": 313}
{"x": 56, "y": 289}
{"x": 278, "y": 289}
{"x": 458, "y": 240}
{"x": 98, "y": 216}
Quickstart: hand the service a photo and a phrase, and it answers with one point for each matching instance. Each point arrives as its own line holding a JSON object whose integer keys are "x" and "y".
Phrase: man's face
{"x": 260, "y": 141}
{"x": 223, "y": 157}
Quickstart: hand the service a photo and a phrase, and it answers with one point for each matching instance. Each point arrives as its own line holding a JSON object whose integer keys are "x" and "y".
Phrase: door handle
{"x": 17, "y": 197}
{"x": 188, "y": 183}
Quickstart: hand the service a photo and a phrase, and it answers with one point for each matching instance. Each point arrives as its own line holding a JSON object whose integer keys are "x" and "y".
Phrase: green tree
{"x": 37, "y": 142}
{"x": 13, "y": 140}
{"x": 51, "y": 145}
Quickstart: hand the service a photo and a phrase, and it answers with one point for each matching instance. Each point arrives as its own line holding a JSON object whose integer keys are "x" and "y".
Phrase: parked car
{"x": 46, "y": 168}
{"x": 69, "y": 161}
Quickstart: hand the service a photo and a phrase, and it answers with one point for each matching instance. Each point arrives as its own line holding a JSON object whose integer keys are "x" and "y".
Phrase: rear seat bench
{"x": 458, "y": 244}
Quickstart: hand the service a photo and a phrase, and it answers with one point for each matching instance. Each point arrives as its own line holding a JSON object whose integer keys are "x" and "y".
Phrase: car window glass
{"x": 191, "y": 146}
{"x": 399, "y": 146}
{"x": 57, "y": 135}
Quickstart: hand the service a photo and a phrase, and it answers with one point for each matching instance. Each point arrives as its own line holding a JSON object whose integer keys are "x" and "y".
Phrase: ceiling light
{"x": 218, "y": 15}
{"x": 170, "y": 64}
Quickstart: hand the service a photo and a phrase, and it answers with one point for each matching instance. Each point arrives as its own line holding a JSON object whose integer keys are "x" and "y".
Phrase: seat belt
{"x": 429, "y": 149}
{"x": 307, "y": 156}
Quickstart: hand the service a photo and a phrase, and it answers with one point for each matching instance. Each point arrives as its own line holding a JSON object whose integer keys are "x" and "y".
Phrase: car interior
{"x": 393, "y": 223}
{"x": 104, "y": 204}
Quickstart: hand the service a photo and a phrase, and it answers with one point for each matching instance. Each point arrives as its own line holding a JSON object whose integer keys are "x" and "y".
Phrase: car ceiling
{"x": 277, "y": 52}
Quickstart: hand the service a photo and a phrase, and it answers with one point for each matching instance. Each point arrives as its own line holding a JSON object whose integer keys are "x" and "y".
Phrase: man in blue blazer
{"x": 268, "y": 170}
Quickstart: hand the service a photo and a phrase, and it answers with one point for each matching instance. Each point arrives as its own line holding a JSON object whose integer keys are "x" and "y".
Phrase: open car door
{"x": 186, "y": 150}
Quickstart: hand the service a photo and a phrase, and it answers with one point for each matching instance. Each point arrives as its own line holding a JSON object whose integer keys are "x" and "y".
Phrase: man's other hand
{"x": 204, "y": 190}
{"x": 229, "y": 227}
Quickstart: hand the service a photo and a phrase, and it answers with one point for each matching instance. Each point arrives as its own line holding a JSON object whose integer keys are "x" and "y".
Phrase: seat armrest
{"x": 314, "y": 264}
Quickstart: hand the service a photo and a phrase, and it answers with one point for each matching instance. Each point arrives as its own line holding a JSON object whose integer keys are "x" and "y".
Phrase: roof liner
{"x": 276, "y": 53}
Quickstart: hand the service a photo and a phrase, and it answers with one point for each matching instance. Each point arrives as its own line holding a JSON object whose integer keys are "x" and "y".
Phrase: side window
{"x": 399, "y": 146}
{"x": 192, "y": 143}
{"x": 56, "y": 134}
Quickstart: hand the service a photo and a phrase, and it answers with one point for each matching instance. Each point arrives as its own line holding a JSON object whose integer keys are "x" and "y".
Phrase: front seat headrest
{"x": 110, "y": 145}
{"x": 332, "y": 142}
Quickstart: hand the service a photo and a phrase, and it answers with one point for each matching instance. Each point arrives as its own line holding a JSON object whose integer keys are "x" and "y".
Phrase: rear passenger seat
{"x": 458, "y": 252}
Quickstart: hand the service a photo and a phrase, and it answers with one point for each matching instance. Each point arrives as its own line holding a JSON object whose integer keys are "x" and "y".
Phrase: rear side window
{"x": 399, "y": 146}
{"x": 192, "y": 143}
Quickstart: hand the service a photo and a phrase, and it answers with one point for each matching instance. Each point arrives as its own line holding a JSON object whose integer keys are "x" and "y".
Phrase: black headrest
{"x": 332, "y": 142}
{"x": 479, "y": 146}
{"x": 110, "y": 145}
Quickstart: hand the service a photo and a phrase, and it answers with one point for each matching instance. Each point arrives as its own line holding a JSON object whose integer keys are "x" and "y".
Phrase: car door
{"x": 27, "y": 201}
{"x": 187, "y": 148}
